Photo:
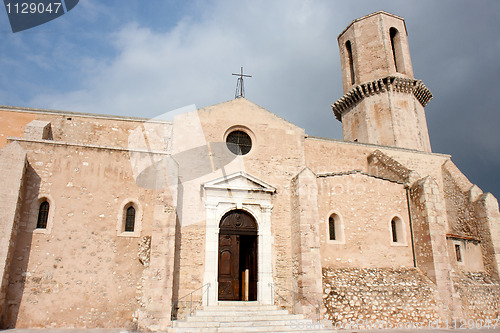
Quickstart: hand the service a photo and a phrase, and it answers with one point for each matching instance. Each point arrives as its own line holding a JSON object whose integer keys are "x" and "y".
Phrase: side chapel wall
{"x": 85, "y": 172}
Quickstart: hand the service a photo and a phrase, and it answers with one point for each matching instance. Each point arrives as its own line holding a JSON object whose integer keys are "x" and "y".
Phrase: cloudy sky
{"x": 144, "y": 58}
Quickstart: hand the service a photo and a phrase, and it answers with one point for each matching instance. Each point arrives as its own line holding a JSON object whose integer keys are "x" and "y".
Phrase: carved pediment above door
{"x": 239, "y": 181}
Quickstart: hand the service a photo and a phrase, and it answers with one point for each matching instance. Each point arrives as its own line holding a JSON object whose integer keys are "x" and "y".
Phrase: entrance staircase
{"x": 244, "y": 317}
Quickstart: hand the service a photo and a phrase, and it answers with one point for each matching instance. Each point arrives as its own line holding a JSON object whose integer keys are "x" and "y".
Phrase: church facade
{"x": 124, "y": 222}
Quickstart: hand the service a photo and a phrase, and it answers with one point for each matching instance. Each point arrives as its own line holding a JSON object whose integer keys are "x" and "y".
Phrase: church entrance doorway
{"x": 237, "y": 276}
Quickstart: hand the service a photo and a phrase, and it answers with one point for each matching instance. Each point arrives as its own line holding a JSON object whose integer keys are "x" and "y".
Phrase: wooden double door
{"x": 237, "y": 276}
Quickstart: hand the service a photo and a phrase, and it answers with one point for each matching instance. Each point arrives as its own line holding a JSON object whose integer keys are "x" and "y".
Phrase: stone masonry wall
{"x": 12, "y": 185}
{"x": 430, "y": 240}
{"x": 307, "y": 243}
{"x": 473, "y": 214}
{"x": 385, "y": 166}
{"x": 486, "y": 207}
{"x": 461, "y": 213}
{"x": 80, "y": 271}
{"x": 155, "y": 291}
{"x": 385, "y": 297}
{"x": 277, "y": 155}
{"x": 77, "y": 128}
{"x": 365, "y": 206}
{"x": 479, "y": 295}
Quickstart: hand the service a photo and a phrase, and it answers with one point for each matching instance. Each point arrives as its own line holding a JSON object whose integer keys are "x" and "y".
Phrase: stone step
{"x": 241, "y": 303}
{"x": 282, "y": 329}
{"x": 243, "y": 323}
{"x": 246, "y": 307}
{"x": 236, "y": 313}
{"x": 264, "y": 329}
{"x": 243, "y": 317}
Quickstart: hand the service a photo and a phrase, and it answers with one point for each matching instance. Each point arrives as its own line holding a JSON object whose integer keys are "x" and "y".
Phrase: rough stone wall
{"x": 461, "y": 213}
{"x": 384, "y": 166}
{"x": 360, "y": 298}
{"x": 79, "y": 272}
{"x": 473, "y": 214}
{"x": 480, "y": 297}
{"x": 12, "y": 184}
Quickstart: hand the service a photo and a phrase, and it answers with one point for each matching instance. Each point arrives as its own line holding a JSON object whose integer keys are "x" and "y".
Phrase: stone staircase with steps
{"x": 244, "y": 317}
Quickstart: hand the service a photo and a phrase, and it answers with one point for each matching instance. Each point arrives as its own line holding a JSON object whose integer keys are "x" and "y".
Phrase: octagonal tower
{"x": 383, "y": 103}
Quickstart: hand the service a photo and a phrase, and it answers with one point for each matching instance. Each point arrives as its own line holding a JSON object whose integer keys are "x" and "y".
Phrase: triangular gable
{"x": 240, "y": 181}
{"x": 245, "y": 103}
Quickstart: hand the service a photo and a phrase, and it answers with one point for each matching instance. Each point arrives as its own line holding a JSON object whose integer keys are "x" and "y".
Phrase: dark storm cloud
{"x": 456, "y": 53}
{"x": 455, "y": 49}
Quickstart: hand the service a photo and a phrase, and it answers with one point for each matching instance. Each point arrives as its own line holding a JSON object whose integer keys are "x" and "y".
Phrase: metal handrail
{"x": 173, "y": 315}
{"x": 294, "y": 293}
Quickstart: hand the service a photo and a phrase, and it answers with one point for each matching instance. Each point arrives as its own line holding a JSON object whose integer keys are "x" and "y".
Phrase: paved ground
{"x": 78, "y": 330}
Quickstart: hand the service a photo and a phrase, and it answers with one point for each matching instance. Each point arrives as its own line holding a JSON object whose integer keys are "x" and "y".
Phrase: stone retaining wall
{"x": 382, "y": 295}
{"x": 480, "y": 295}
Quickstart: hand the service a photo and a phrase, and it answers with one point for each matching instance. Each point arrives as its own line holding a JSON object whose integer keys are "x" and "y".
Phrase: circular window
{"x": 239, "y": 142}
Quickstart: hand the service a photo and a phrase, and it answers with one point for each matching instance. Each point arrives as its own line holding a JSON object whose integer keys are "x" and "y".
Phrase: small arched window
{"x": 331, "y": 227}
{"x": 335, "y": 229}
{"x": 43, "y": 215}
{"x": 396, "y": 49}
{"x": 397, "y": 233}
{"x": 130, "y": 219}
{"x": 350, "y": 60}
{"x": 394, "y": 229}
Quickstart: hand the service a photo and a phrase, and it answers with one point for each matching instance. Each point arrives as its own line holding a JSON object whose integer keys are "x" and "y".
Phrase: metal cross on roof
{"x": 240, "y": 89}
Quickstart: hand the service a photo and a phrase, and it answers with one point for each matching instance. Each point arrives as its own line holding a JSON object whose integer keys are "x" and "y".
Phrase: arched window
{"x": 396, "y": 49}
{"x": 397, "y": 233}
{"x": 350, "y": 61}
{"x": 394, "y": 229}
{"x": 335, "y": 229}
{"x": 129, "y": 222}
{"x": 43, "y": 215}
{"x": 331, "y": 227}
{"x": 130, "y": 219}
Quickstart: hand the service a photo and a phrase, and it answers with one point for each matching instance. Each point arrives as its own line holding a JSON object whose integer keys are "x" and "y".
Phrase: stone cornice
{"x": 354, "y": 172}
{"x": 389, "y": 83}
{"x": 81, "y": 114}
{"x": 85, "y": 145}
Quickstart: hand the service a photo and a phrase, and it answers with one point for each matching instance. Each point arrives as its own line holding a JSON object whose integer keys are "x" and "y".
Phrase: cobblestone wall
{"x": 384, "y": 295}
{"x": 480, "y": 295}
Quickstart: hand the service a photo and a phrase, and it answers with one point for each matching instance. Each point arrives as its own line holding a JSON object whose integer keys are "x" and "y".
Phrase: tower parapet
{"x": 383, "y": 103}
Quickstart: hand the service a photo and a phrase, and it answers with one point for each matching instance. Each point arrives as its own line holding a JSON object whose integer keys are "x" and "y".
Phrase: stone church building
{"x": 111, "y": 221}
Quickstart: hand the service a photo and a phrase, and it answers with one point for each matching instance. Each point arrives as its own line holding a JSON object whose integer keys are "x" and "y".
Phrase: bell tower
{"x": 383, "y": 103}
